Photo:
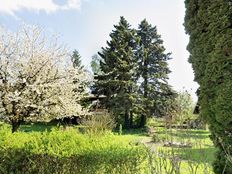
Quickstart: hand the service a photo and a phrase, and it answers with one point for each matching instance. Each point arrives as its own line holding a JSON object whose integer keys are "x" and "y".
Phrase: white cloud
{"x": 72, "y": 4}
{"x": 12, "y": 6}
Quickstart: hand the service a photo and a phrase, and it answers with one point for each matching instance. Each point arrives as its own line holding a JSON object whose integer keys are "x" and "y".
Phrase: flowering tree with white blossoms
{"x": 37, "y": 78}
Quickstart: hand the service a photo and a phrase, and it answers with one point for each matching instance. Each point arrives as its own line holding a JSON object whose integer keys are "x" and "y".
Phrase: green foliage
{"x": 153, "y": 71}
{"x": 181, "y": 109}
{"x": 185, "y": 104}
{"x": 76, "y": 60}
{"x": 210, "y": 28}
{"x": 67, "y": 152}
{"x": 95, "y": 64}
{"x": 82, "y": 83}
{"x": 117, "y": 81}
{"x": 134, "y": 73}
{"x": 155, "y": 122}
{"x": 71, "y": 152}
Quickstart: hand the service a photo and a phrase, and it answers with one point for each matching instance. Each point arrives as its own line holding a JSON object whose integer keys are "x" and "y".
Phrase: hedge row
{"x": 67, "y": 152}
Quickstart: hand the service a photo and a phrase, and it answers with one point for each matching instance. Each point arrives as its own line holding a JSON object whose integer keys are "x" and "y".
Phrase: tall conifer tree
{"x": 153, "y": 70}
{"x": 117, "y": 81}
{"x": 77, "y": 64}
{"x": 76, "y": 60}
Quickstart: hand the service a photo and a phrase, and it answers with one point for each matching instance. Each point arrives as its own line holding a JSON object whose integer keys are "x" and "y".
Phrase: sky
{"x": 85, "y": 25}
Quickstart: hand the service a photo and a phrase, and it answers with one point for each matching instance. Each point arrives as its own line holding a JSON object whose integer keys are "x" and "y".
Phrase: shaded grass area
{"x": 198, "y": 154}
{"x": 136, "y": 132}
{"x": 36, "y": 127}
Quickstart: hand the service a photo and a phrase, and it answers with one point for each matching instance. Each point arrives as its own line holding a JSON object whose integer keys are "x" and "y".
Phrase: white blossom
{"x": 36, "y": 77}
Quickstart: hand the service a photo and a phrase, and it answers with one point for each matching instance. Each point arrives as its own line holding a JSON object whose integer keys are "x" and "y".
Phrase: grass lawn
{"x": 197, "y": 158}
{"x": 202, "y": 146}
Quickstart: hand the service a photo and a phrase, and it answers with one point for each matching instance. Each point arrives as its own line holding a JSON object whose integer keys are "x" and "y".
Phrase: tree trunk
{"x": 127, "y": 120}
{"x": 15, "y": 120}
{"x": 15, "y": 125}
{"x": 131, "y": 119}
{"x": 143, "y": 121}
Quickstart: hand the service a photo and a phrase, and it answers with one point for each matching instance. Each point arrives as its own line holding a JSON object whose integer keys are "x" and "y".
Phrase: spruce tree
{"x": 95, "y": 64}
{"x": 76, "y": 60}
{"x": 117, "y": 80}
{"x": 153, "y": 69}
{"x": 209, "y": 25}
{"x": 84, "y": 80}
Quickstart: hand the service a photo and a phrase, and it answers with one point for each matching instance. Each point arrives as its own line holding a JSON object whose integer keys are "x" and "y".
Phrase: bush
{"x": 159, "y": 138}
{"x": 155, "y": 122}
{"x": 99, "y": 123}
{"x": 67, "y": 152}
{"x": 211, "y": 55}
{"x": 180, "y": 109}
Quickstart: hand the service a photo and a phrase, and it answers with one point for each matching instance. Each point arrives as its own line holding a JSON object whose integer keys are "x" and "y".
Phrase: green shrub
{"x": 155, "y": 122}
{"x": 67, "y": 152}
{"x": 159, "y": 138}
{"x": 211, "y": 57}
{"x": 99, "y": 123}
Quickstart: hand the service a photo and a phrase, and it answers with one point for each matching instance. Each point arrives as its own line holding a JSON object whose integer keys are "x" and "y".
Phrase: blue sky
{"x": 85, "y": 25}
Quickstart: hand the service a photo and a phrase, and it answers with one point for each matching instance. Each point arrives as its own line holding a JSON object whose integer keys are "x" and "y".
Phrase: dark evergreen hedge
{"x": 209, "y": 24}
